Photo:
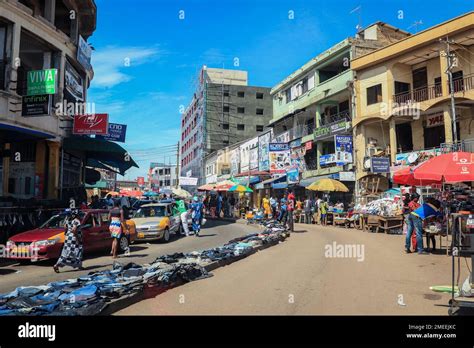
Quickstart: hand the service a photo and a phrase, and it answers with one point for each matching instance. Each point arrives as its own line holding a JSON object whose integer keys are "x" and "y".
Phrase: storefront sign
{"x": 309, "y": 145}
{"x": 346, "y": 176}
{"x": 36, "y": 105}
{"x": 117, "y": 132}
{"x": 344, "y": 149}
{"x": 41, "y": 82}
{"x": 73, "y": 82}
{"x": 295, "y": 143}
{"x": 263, "y": 159}
{"x": 434, "y": 120}
{"x": 91, "y": 124}
{"x": 84, "y": 54}
{"x": 380, "y": 164}
{"x": 327, "y": 159}
{"x": 292, "y": 176}
{"x": 325, "y": 131}
{"x": 280, "y": 159}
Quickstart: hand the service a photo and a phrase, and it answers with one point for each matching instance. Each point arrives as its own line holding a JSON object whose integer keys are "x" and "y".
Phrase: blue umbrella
{"x": 150, "y": 194}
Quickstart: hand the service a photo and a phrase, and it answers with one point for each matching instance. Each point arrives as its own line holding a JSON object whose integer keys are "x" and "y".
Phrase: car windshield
{"x": 57, "y": 221}
{"x": 144, "y": 212}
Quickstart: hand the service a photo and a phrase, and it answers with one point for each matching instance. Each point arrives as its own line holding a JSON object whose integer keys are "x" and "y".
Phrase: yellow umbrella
{"x": 240, "y": 188}
{"x": 328, "y": 185}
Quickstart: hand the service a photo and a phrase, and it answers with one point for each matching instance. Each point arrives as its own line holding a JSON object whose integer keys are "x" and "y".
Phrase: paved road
{"x": 213, "y": 234}
{"x": 295, "y": 277}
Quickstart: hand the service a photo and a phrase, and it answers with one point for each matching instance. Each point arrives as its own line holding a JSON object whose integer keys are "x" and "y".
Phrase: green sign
{"x": 41, "y": 82}
{"x": 333, "y": 128}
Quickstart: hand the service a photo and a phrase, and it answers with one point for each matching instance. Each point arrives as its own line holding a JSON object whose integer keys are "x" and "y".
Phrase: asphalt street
{"x": 299, "y": 276}
{"x": 214, "y": 233}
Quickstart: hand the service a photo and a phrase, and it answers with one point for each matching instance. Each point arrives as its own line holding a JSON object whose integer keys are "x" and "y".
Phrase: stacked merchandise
{"x": 387, "y": 207}
{"x": 89, "y": 295}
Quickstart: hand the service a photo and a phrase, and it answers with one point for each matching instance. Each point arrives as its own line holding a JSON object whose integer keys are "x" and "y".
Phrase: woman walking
{"x": 71, "y": 254}
{"x": 116, "y": 218}
{"x": 197, "y": 208}
{"x": 266, "y": 207}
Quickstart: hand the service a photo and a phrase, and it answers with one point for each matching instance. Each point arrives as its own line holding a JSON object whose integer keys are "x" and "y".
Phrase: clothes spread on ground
{"x": 90, "y": 294}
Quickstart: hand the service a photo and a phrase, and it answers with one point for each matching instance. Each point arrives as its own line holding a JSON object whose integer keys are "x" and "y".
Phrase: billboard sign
{"x": 117, "y": 132}
{"x": 280, "y": 159}
{"x": 344, "y": 148}
{"x": 91, "y": 124}
{"x": 41, "y": 82}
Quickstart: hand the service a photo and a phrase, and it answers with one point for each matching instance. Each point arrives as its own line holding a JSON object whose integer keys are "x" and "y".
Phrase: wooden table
{"x": 388, "y": 223}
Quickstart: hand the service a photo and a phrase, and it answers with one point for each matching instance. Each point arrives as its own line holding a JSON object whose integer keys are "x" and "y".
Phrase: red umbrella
{"x": 406, "y": 176}
{"x": 450, "y": 168}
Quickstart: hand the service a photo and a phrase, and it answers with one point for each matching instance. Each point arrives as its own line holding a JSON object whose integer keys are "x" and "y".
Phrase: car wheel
{"x": 166, "y": 236}
{"x": 123, "y": 243}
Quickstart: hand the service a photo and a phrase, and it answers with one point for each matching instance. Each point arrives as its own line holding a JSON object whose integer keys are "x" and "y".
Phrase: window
{"x": 225, "y": 108}
{"x": 225, "y": 142}
{"x": 259, "y": 128}
{"x": 401, "y": 87}
{"x": 240, "y": 110}
{"x": 240, "y": 127}
{"x": 241, "y": 94}
{"x": 225, "y": 126}
{"x": 3, "y": 60}
{"x": 259, "y": 95}
{"x": 374, "y": 94}
{"x": 259, "y": 111}
{"x": 288, "y": 95}
{"x": 226, "y": 93}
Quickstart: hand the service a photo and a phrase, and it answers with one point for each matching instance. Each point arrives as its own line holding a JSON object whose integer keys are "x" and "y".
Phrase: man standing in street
{"x": 184, "y": 213}
{"x": 274, "y": 205}
{"x": 308, "y": 204}
{"x": 291, "y": 208}
{"x": 125, "y": 205}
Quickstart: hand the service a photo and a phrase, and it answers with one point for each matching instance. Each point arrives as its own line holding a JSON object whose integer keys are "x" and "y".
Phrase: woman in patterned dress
{"x": 71, "y": 254}
{"x": 116, "y": 218}
{"x": 197, "y": 214}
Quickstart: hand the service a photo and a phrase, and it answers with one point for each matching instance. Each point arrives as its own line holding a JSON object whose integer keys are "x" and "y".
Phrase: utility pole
{"x": 177, "y": 166}
{"x": 449, "y": 62}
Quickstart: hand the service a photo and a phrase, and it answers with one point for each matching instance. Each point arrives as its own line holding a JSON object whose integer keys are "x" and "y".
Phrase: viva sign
{"x": 41, "y": 82}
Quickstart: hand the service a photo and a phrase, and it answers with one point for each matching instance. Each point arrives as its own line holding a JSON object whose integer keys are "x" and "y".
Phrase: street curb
{"x": 140, "y": 295}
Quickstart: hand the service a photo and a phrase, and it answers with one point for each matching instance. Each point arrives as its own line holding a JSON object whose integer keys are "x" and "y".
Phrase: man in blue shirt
{"x": 415, "y": 220}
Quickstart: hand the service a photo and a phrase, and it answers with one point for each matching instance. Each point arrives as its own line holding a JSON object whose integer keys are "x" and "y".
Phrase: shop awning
{"x": 14, "y": 133}
{"x": 106, "y": 152}
{"x": 280, "y": 185}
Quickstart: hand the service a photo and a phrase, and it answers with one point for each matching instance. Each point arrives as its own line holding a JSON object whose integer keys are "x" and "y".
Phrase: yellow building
{"x": 403, "y": 101}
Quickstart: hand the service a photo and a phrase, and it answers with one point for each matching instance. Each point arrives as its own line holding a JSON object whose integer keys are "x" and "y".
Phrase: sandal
{"x": 56, "y": 268}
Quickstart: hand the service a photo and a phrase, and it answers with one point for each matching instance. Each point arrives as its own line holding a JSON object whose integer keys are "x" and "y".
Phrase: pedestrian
{"x": 323, "y": 210}
{"x": 182, "y": 210}
{"x": 291, "y": 208}
{"x": 117, "y": 219}
{"x": 225, "y": 204}
{"x": 231, "y": 205}
{"x": 197, "y": 215}
{"x": 307, "y": 210}
{"x": 274, "y": 206}
{"x": 426, "y": 211}
{"x": 266, "y": 207}
{"x": 282, "y": 218}
{"x": 71, "y": 254}
{"x": 219, "y": 205}
{"x": 125, "y": 205}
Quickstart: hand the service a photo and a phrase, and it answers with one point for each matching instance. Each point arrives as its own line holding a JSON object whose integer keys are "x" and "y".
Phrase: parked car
{"x": 156, "y": 221}
{"x": 48, "y": 239}
{"x": 138, "y": 203}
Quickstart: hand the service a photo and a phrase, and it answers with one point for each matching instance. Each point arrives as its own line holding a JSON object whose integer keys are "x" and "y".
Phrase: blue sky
{"x": 146, "y": 58}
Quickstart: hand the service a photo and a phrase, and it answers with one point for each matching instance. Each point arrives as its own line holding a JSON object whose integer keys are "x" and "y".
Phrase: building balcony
{"x": 433, "y": 91}
{"x": 330, "y": 119}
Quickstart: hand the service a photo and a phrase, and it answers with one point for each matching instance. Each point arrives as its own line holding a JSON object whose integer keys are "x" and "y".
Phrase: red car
{"x": 46, "y": 242}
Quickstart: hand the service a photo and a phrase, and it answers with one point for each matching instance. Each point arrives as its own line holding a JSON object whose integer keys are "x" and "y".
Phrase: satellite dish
{"x": 412, "y": 158}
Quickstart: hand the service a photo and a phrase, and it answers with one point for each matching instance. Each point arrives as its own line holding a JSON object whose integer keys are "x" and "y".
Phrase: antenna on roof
{"x": 358, "y": 9}
{"x": 415, "y": 25}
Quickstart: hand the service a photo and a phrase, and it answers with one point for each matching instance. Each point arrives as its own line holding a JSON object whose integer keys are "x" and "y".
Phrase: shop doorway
{"x": 404, "y": 137}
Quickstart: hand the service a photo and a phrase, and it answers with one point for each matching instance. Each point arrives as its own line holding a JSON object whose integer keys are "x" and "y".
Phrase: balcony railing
{"x": 433, "y": 91}
{"x": 298, "y": 131}
{"x": 342, "y": 116}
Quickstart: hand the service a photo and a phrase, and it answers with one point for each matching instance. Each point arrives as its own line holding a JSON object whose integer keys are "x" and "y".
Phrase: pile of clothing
{"x": 388, "y": 207}
{"x": 90, "y": 294}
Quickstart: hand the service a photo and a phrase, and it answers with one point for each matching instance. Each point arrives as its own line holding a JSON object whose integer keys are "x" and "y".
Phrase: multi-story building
{"x": 37, "y": 36}
{"x": 224, "y": 110}
{"x": 403, "y": 97}
{"x": 315, "y": 103}
{"x": 162, "y": 176}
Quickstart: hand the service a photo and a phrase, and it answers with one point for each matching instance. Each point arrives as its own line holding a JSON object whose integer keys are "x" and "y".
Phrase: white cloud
{"x": 111, "y": 63}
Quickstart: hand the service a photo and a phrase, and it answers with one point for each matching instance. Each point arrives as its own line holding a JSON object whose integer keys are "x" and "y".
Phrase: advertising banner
{"x": 235, "y": 161}
{"x": 84, "y": 53}
{"x": 41, "y": 82}
{"x": 327, "y": 159}
{"x": 254, "y": 158}
{"x": 380, "y": 164}
{"x": 344, "y": 148}
{"x": 245, "y": 157}
{"x": 36, "y": 105}
{"x": 117, "y": 132}
{"x": 73, "y": 82}
{"x": 263, "y": 155}
{"x": 297, "y": 158}
{"x": 140, "y": 180}
{"x": 91, "y": 124}
{"x": 280, "y": 159}
{"x": 293, "y": 176}
{"x": 188, "y": 181}
{"x": 327, "y": 130}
